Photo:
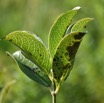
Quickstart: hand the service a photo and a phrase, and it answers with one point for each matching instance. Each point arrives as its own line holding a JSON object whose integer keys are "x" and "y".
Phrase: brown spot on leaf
{"x": 79, "y": 35}
{"x": 71, "y": 50}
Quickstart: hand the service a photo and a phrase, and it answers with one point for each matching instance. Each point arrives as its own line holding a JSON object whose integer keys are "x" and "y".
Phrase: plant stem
{"x": 53, "y": 89}
{"x": 54, "y": 93}
{"x": 53, "y": 97}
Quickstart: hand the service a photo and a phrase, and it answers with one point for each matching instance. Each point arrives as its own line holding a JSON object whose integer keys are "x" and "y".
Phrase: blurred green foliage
{"x": 86, "y": 81}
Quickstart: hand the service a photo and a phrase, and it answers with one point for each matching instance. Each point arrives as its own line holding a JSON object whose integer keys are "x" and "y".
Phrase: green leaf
{"x": 80, "y": 25}
{"x": 59, "y": 29}
{"x": 33, "y": 48}
{"x": 64, "y": 58}
{"x": 30, "y": 69}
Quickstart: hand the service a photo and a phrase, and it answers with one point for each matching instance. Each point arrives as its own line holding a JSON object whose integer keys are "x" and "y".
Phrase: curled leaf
{"x": 30, "y": 69}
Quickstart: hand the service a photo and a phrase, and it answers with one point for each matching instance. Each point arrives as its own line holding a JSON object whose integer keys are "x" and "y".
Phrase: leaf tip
{"x": 77, "y": 8}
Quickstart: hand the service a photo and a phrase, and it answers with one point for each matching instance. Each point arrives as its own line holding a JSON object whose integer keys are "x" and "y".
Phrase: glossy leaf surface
{"x": 30, "y": 69}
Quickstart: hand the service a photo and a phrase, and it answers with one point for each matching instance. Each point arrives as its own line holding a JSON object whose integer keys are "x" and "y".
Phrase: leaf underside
{"x": 32, "y": 47}
{"x": 30, "y": 69}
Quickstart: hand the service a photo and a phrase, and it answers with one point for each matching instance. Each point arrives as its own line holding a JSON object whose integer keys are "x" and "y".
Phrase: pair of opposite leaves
{"x": 42, "y": 64}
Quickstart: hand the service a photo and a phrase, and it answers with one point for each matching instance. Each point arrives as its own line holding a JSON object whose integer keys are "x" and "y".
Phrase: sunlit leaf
{"x": 64, "y": 58}
{"x": 59, "y": 29}
{"x": 31, "y": 70}
{"x": 50, "y": 67}
{"x": 80, "y": 25}
{"x": 32, "y": 47}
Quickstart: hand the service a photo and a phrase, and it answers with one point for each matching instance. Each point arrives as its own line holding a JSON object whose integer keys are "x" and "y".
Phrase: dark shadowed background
{"x": 86, "y": 81}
